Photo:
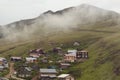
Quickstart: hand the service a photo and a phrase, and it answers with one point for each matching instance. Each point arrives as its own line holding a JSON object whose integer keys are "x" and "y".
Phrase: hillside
{"x": 97, "y": 30}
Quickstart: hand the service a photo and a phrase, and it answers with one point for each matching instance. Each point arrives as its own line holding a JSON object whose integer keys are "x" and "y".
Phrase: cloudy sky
{"x": 14, "y": 10}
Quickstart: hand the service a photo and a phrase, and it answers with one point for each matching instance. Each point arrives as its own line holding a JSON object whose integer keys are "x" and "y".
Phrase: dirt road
{"x": 11, "y": 71}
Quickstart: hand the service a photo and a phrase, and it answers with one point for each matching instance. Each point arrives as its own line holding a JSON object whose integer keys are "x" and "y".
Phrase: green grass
{"x": 103, "y": 45}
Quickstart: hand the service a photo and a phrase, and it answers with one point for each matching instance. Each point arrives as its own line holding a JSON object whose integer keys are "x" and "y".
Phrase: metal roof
{"x": 2, "y": 59}
{"x": 51, "y": 76}
{"x": 1, "y": 78}
{"x": 2, "y": 67}
{"x": 48, "y": 71}
{"x": 70, "y": 55}
{"x": 30, "y": 58}
{"x": 72, "y": 52}
{"x": 28, "y": 68}
{"x": 63, "y": 75}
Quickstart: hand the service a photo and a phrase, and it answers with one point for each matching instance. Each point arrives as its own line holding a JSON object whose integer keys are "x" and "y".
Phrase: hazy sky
{"x": 14, "y": 10}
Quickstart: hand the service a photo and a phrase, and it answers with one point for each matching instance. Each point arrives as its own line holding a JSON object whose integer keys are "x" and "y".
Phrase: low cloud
{"x": 53, "y": 22}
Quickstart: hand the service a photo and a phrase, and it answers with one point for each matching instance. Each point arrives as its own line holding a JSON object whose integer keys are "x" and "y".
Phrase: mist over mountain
{"x": 60, "y": 21}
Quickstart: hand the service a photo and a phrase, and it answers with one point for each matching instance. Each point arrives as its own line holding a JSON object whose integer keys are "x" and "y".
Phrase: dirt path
{"x": 36, "y": 77}
{"x": 11, "y": 71}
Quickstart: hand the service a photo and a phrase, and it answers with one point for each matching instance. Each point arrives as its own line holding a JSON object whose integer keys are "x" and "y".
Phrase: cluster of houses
{"x": 47, "y": 73}
{"x": 33, "y": 56}
{"x": 44, "y": 74}
{"x": 27, "y": 59}
{"x": 51, "y": 74}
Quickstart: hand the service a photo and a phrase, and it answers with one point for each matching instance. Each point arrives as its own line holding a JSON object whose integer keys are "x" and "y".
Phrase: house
{"x": 64, "y": 65}
{"x": 57, "y": 50}
{"x": 16, "y": 59}
{"x": 70, "y": 58}
{"x": 4, "y": 63}
{"x": 76, "y": 44}
{"x": 48, "y": 74}
{"x": 65, "y": 77}
{"x": 34, "y": 55}
{"x": 82, "y": 54}
{"x": 2, "y": 68}
{"x": 39, "y": 51}
{"x": 31, "y": 59}
{"x": 2, "y": 78}
{"x": 24, "y": 72}
{"x": 2, "y": 60}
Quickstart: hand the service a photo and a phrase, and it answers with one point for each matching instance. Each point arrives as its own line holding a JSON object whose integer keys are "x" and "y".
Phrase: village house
{"x": 2, "y": 67}
{"x": 48, "y": 74}
{"x": 76, "y": 44}
{"x": 65, "y": 77}
{"x": 57, "y": 50}
{"x": 16, "y": 59}
{"x": 39, "y": 51}
{"x": 3, "y": 64}
{"x": 36, "y": 53}
{"x": 82, "y": 54}
{"x": 64, "y": 65}
{"x": 70, "y": 56}
{"x": 2, "y": 78}
{"x": 24, "y": 72}
{"x": 31, "y": 60}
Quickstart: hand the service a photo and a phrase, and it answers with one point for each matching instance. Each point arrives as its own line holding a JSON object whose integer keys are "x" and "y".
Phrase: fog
{"x": 56, "y": 22}
{"x": 14, "y": 10}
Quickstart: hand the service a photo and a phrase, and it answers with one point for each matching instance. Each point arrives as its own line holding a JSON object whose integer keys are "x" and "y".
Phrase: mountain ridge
{"x": 62, "y": 20}
{"x": 66, "y": 9}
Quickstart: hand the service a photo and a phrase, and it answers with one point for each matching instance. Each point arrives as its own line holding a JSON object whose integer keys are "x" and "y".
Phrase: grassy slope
{"x": 103, "y": 47}
{"x": 104, "y": 60}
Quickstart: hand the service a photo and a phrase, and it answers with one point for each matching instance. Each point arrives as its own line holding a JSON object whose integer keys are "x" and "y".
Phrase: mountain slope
{"x": 97, "y": 30}
{"x": 64, "y": 20}
{"x": 104, "y": 62}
